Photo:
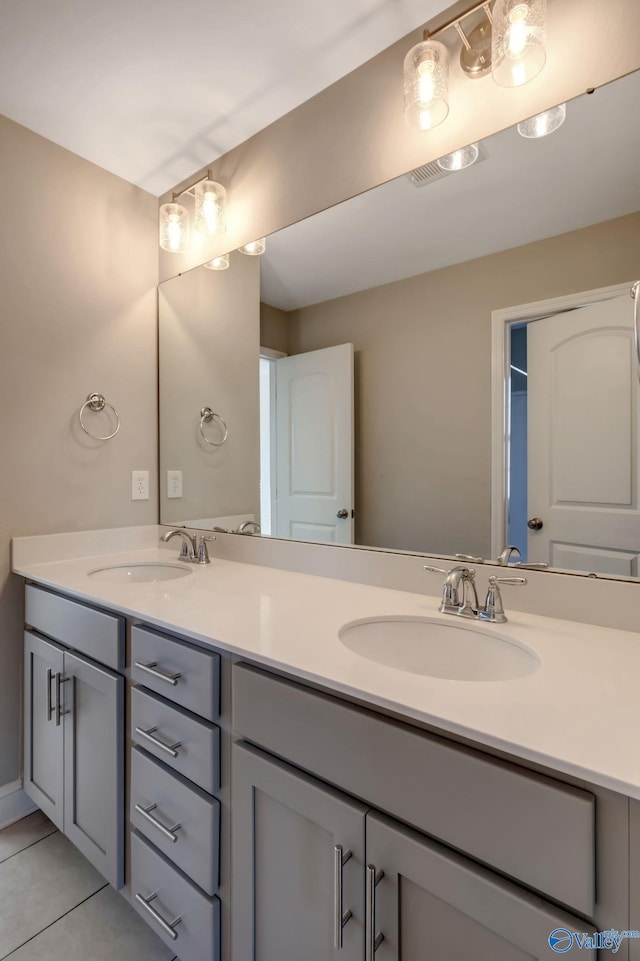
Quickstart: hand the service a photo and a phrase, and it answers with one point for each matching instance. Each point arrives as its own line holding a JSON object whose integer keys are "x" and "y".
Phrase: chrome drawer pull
{"x": 373, "y": 940}
{"x": 146, "y": 813}
{"x": 171, "y": 749}
{"x": 151, "y": 668}
{"x": 166, "y": 927}
{"x": 340, "y": 917}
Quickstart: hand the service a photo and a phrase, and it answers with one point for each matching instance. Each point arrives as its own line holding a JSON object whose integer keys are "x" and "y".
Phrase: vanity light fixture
{"x": 519, "y": 41}
{"x": 254, "y": 248}
{"x": 509, "y": 40}
{"x": 174, "y": 228}
{"x": 210, "y": 200}
{"x": 543, "y": 123}
{"x": 426, "y": 85}
{"x": 460, "y": 159}
{"x": 218, "y": 263}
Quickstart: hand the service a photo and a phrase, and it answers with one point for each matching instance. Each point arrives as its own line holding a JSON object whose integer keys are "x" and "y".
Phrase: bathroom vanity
{"x": 282, "y": 790}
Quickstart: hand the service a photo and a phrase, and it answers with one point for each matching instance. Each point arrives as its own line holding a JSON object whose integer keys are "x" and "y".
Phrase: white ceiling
{"x": 586, "y": 172}
{"x": 153, "y": 90}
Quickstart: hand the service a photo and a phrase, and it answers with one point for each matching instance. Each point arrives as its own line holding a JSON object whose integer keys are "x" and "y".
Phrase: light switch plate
{"x": 140, "y": 485}
{"x": 174, "y": 483}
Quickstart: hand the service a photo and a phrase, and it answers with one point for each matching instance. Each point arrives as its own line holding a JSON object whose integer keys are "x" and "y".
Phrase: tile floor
{"x": 55, "y": 906}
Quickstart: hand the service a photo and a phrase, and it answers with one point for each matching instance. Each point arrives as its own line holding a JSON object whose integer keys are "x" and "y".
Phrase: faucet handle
{"x": 435, "y": 570}
{"x": 493, "y": 607}
{"x": 470, "y": 557}
{"x": 202, "y": 554}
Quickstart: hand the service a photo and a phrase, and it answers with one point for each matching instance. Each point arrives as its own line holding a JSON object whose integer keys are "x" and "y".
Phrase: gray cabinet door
{"x": 43, "y": 740}
{"x": 94, "y": 764}
{"x": 430, "y": 902}
{"x": 289, "y": 884}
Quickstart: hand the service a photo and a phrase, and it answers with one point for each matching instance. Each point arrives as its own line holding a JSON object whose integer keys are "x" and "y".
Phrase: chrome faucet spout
{"x": 188, "y": 550}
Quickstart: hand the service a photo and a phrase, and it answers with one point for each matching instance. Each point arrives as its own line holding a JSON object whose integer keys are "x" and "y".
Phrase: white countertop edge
{"x": 66, "y": 576}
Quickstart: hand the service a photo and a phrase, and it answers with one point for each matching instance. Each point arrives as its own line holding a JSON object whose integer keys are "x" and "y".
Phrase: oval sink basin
{"x": 455, "y": 652}
{"x": 140, "y": 573}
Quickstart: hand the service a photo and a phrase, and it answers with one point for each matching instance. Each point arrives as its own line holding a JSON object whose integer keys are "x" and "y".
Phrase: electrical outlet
{"x": 174, "y": 483}
{"x": 140, "y": 485}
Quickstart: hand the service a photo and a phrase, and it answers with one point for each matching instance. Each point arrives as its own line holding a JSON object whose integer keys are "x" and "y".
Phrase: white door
{"x": 583, "y": 472}
{"x": 314, "y": 446}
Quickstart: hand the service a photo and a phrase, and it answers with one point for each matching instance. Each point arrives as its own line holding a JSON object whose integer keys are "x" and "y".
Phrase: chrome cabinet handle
{"x": 340, "y": 916}
{"x": 146, "y": 813}
{"x": 373, "y": 939}
{"x": 167, "y": 927}
{"x": 60, "y": 680}
{"x": 171, "y": 749}
{"x": 49, "y": 701}
{"x": 152, "y": 668}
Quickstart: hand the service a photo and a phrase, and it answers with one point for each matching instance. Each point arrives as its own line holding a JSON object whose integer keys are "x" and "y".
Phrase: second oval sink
{"x": 429, "y": 646}
{"x": 141, "y": 573}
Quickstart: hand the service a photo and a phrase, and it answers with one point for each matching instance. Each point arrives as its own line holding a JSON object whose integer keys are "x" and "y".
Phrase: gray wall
{"x": 274, "y": 328}
{"x": 78, "y": 270}
{"x": 209, "y": 349}
{"x": 423, "y": 379}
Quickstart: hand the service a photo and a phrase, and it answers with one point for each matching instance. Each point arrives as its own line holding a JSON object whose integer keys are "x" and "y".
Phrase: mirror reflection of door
{"x": 574, "y": 440}
{"x": 307, "y": 445}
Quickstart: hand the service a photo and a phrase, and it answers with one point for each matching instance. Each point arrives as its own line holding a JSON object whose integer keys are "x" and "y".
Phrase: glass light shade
{"x": 174, "y": 228}
{"x": 518, "y": 51}
{"x": 460, "y": 159}
{"x": 218, "y": 263}
{"x": 210, "y": 199}
{"x": 426, "y": 85}
{"x": 254, "y": 248}
{"x": 543, "y": 123}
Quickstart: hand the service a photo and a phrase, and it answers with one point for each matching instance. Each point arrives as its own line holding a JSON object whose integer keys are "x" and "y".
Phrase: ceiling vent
{"x": 431, "y": 171}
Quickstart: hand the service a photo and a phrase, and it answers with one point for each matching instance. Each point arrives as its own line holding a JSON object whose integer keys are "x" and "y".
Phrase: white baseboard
{"x": 14, "y": 804}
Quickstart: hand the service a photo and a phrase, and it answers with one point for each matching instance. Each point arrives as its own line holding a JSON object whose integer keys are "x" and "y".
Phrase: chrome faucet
{"x": 244, "y": 528}
{"x": 460, "y": 596}
{"x": 194, "y": 546}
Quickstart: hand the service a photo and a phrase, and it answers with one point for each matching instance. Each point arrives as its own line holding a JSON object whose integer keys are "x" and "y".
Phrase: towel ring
{"x": 206, "y": 416}
{"x": 96, "y": 402}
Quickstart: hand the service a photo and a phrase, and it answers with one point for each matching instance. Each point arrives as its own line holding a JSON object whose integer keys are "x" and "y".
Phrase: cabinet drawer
{"x": 94, "y": 633}
{"x": 192, "y": 814}
{"x": 162, "y": 896}
{"x": 179, "y": 671}
{"x": 191, "y": 746}
{"x": 528, "y": 826}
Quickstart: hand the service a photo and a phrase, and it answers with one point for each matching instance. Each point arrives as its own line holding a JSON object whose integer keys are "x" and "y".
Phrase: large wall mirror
{"x": 339, "y": 387}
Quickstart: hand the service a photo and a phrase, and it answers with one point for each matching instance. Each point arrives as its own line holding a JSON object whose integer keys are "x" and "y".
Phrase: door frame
{"x": 501, "y": 321}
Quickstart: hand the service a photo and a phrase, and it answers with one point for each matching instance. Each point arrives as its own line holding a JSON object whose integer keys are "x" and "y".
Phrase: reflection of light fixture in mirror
{"x": 519, "y": 41}
{"x": 218, "y": 263}
{"x": 174, "y": 228}
{"x": 426, "y": 85}
{"x": 254, "y": 248}
{"x": 460, "y": 159}
{"x": 543, "y": 123}
{"x": 210, "y": 199}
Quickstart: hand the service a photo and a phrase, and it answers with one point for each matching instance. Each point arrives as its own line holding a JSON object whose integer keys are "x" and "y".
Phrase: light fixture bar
{"x": 456, "y": 21}
{"x": 192, "y": 186}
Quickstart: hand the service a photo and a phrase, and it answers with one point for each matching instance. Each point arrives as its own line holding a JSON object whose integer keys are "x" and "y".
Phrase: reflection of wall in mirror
{"x": 209, "y": 346}
{"x": 423, "y": 379}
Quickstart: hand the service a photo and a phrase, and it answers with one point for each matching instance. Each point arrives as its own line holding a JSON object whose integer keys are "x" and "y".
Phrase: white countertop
{"x": 579, "y": 714}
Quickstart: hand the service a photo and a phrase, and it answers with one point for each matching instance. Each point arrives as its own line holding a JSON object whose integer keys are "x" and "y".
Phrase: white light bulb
{"x": 426, "y": 86}
{"x": 518, "y": 32}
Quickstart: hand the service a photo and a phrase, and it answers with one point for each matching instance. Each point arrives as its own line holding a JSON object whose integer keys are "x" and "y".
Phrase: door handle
{"x": 60, "y": 680}
{"x": 373, "y": 939}
{"x": 49, "y": 700}
{"x": 342, "y": 513}
{"x": 340, "y": 916}
{"x": 535, "y": 524}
